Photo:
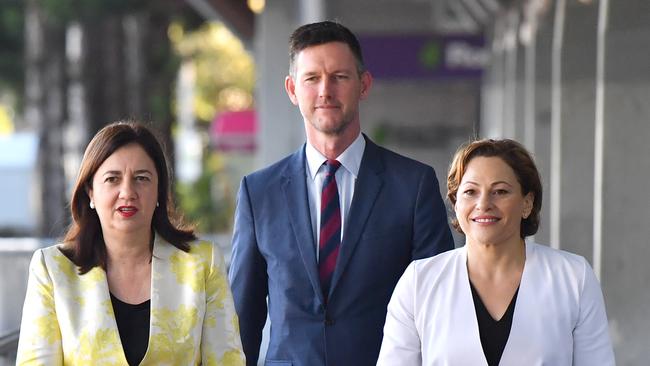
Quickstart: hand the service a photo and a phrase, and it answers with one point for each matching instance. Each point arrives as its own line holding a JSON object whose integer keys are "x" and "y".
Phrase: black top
{"x": 494, "y": 333}
{"x": 133, "y": 325}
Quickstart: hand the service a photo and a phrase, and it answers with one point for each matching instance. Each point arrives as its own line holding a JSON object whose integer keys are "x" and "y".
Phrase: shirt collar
{"x": 350, "y": 159}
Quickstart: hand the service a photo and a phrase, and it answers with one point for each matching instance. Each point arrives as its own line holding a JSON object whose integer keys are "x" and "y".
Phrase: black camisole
{"x": 133, "y": 325}
{"x": 494, "y": 333}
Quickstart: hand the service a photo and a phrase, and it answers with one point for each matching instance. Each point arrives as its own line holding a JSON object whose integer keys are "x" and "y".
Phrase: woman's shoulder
{"x": 438, "y": 262}
{"x": 54, "y": 262}
{"x": 555, "y": 254}
{"x": 52, "y": 252}
{"x": 558, "y": 260}
{"x": 200, "y": 249}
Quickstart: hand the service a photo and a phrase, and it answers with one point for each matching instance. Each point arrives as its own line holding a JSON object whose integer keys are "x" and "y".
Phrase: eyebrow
{"x": 139, "y": 171}
{"x": 493, "y": 184}
{"x": 333, "y": 72}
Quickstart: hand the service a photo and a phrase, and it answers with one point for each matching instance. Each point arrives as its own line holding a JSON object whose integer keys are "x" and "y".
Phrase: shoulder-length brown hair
{"x": 513, "y": 154}
{"x": 84, "y": 241}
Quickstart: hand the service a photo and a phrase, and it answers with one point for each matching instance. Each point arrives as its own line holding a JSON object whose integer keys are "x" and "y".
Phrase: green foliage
{"x": 208, "y": 202}
{"x": 224, "y": 76}
{"x": 11, "y": 45}
{"x": 63, "y": 11}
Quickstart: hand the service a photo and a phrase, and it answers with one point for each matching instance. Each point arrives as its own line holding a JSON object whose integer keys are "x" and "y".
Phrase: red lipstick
{"x": 127, "y": 211}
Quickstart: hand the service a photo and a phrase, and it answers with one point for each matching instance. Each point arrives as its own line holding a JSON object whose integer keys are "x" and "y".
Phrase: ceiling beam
{"x": 234, "y": 13}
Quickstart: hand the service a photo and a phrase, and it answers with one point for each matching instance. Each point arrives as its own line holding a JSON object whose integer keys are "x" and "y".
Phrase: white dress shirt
{"x": 346, "y": 177}
{"x": 559, "y": 316}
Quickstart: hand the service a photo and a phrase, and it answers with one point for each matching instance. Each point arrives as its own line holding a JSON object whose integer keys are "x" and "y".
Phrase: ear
{"x": 89, "y": 192}
{"x": 290, "y": 87}
{"x": 366, "y": 84}
{"x": 529, "y": 200}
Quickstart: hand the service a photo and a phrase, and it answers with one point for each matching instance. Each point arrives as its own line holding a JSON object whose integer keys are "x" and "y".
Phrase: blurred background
{"x": 568, "y": 78}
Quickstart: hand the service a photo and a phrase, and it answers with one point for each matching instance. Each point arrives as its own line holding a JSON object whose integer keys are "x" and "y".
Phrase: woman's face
{"x": 490, "y": 204}
{"x": 125, "y": 191}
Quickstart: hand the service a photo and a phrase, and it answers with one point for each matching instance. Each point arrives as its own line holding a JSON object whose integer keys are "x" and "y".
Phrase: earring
{"x": 157, "y": 204}
{"x": 92, "y": 205}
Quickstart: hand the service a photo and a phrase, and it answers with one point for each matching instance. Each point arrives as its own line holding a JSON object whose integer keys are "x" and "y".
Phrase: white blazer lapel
{"x": 452, "y": 336}
{"x": 520, "y": 345}
{"x": 464, "y": 317}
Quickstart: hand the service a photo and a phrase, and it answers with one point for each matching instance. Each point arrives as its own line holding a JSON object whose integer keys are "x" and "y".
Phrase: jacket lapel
{"x": 161, "y": 286}
{"x": 367, "y": 187}
{"x": 518, "y": 347}
{"x": 294, "y": 187}
{"x": 111, "y": 341}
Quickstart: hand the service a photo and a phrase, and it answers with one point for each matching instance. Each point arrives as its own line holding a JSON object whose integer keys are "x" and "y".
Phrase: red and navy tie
{"x": 330, "y": 227}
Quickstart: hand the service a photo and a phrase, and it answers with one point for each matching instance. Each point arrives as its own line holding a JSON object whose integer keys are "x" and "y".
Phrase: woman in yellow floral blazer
{"x": 127, "y": 286}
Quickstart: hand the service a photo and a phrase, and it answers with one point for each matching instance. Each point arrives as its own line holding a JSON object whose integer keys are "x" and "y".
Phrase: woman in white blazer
{"x": 127, "y": 286}
{"x": 498, "y": 300}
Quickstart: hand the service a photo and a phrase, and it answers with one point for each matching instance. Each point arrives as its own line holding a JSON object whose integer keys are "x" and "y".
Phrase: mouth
{"x": 327, "y": 106}
{"x": 127, "y": 211}
{"x": 485, "y": 220}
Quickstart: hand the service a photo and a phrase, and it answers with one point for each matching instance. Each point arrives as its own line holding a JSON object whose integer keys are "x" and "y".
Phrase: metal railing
{"x": 8, "y": 347}
{"x": 9, "y": 342}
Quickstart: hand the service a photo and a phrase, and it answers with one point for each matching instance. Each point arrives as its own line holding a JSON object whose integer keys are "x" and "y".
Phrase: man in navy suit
{"x": 327, "y": 232}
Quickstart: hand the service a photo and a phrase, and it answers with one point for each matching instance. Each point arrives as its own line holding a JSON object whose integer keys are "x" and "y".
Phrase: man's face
{"x": 327, "y": 88}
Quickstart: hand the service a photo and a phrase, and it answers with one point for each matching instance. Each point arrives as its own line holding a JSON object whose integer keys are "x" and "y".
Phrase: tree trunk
{"x": 44, "y": 110}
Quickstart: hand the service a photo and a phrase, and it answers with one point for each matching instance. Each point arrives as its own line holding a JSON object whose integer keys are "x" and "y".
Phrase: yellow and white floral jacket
{"x": 68, "y": 319}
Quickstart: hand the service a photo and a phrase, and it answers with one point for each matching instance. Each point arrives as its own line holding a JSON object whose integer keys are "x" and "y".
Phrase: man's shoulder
{"x": 279, "y": 168}
{"x": 394, "y": 160}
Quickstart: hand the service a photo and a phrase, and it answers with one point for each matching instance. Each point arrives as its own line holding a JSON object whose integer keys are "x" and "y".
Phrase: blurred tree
{"x": 84, "y": 63}
{"x": 11, "y": 46}
{"x": 44, "y": 111}
{"x": 225, "y": 80}
{"x": 89, "y": 63}
{"x": 225, "y": 70}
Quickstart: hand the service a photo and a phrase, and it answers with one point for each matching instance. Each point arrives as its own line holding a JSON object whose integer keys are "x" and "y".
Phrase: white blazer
{"x": 559, "y": 316}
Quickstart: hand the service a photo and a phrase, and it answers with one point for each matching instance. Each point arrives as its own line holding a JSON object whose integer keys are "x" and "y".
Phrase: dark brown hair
{"x": 513, "y": 154}
{"x": 314, "y": 34}
{"x": 84, "y": 241}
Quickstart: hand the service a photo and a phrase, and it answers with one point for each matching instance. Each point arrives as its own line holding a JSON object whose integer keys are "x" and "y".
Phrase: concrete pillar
{"x": 511, "y": 84}
{"x": 623, "y": 169}
{"x": 542, "y": 123}
{"x": 576, "y": 129}
{"x": 492, "y": 91}
{"x": 281, "y": 128}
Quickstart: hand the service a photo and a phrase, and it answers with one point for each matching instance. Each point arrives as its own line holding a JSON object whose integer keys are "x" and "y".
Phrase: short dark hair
{"x": 314, "y": 34}
{"x": 513, "y": 154}
{"x": 84, "y": 241}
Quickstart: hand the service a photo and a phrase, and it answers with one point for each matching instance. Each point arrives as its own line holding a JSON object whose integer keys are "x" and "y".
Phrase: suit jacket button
{"x": 329, "y": 322}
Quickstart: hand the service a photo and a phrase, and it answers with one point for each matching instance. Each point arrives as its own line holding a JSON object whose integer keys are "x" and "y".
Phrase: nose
{"x": 127, "y": 190}
{"x": 325, "y": 88}
{"x": 484, "y": 202}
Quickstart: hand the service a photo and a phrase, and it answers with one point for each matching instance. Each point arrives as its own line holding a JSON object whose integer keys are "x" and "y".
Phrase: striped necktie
{"x": 330, "y": 227}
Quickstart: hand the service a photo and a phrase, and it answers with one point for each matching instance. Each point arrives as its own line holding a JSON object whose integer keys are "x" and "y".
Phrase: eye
{"x": 500, "y": 192}
{"x": 468, "y": 192}
{"x": 142, "y": 178}
{"x": 110, "y": 179}
{"x": 341, "y": 77}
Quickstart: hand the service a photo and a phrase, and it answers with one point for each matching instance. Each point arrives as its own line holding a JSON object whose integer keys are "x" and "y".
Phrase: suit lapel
{"x": 367, "y": 187}
{"x": 294, "y": 187}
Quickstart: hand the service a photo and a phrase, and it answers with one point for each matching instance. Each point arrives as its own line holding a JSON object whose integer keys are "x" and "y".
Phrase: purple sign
{"x": 424, "y": 56}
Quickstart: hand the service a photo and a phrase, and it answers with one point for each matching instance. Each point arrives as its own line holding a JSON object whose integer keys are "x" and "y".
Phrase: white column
{"x": 312, "y": 11}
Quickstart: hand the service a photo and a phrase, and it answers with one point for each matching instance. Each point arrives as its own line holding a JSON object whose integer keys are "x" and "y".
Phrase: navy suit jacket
{"x": 396, "y": 215}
